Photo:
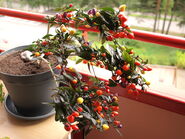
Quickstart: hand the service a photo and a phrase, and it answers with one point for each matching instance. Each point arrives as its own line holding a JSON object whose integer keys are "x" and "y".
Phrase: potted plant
{"x": 29, "y": 91}
{"x": 84, "y": 103}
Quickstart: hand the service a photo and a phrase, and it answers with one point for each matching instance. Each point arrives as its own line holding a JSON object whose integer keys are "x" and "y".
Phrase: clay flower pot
{"x": 27, "y": 93}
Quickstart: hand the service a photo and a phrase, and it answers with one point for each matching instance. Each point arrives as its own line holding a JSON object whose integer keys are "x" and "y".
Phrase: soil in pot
{"x": 13, "y": 64}
{"x": 28, "y": 85}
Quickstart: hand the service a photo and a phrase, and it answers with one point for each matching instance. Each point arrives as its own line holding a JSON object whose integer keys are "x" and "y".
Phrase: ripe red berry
{"x": 130, "y": 91}
{"x": 145, "y": 69}
{"x": 120, "y": 16}
{"x": 102, "y": 66}
{"x": 103, "y": 54}
{"x": 86, "y": 88}
{"x": 74, "y": 127}
{"x": 96, "y": 103}
{"x": 119, "y": 72}
{"x": 106, "y": 108}
{"x": 58, "y": 67}
{"x": 131, "y": 52}
{"x": 70, "y": 118}
{"x": 99, "y": 108}
{"x": 122, "y": 35}
{"x": 80, "y": 109}
{"x": 85, "y": 61}
{"x": 114, "y": 78}
{"x": 111, "y": 31}
{"x": 149, "y": 69}
{"x": 132, "y": 86}
{"x": 110, "y": 38}
{"x": 48, "y": 53}
{"x": 116, "y": 35}
{"x": 107, "y": 90}
{"x": 70, "y": 5}
{"x": 116, "y": 123}
{"x": 74, "y": 81}
{"x": 115, "y": 108}
{"x": 130, "y": 35}
{"x": 1, "y": 50}
{"x": 44, "y": 43}
{"x": 115, "y": 113}
{"x": 75, "y": 114}
{"x": 125, "y": 67}
{"x": 124, "y": 26}
{"x": 99, "y": 92}
{"x": 106, "y": 83}
{"x": 67, "y": 127}
{"x": 123, "y": 18}
{"x": 107, "y": 87}
{"x": 137, "y": 63}
{"x": 69, "y": 15}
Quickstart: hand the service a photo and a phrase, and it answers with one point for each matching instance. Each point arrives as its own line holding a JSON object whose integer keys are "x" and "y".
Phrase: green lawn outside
{"x": 156, "y": 54}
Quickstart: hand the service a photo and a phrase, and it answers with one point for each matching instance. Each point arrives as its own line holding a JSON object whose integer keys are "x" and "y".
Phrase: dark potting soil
{"x": 13, "y": 64}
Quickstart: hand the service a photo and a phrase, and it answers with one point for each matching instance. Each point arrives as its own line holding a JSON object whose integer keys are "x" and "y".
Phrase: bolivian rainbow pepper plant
{"x": 83, "y": 104}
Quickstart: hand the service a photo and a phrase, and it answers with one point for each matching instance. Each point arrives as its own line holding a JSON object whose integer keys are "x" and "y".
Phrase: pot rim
{"x": 12, "y": 75}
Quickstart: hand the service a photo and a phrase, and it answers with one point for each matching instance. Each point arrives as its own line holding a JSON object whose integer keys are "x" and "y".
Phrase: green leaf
{"x": 70, "y": 10}
{"x": 68, "y": 76}
{"x": 112, "y": 83}
{"x": 126, "y": 57}
{"x": 108, "y": 9}
{"x": 47, "y": 36}
{"x": 1, "y": 93}
{"x": 79, "y": 60}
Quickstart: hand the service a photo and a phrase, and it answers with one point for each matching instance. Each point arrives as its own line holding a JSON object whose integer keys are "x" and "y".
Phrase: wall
{"x": 142, "y": 121}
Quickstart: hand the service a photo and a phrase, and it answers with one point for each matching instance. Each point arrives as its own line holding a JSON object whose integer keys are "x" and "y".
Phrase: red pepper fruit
{"x": 99, "y": 92}
{"x": 131, "y": 52}
{"x": 130, "y": 35}
{"x": 137, "y": 63}
{"x": 80, "y": 109}
{"x": 115, "y": 108}
{"x": 116, "y": 122}
{"x": 99, "y": 108}
{"x": 125, "y": 67}
{"x": 105, "y": 108}
{"x": 103, "y": 54}
{"x": 115, "y": 113}
{"x": 74, "y": 81}
{"x": 119, "y": 72}
{"x": 122, "y": 35}
{"x": 114, "y": 78}
{"x": 85, "y": 61}
{"x": 70, "y": 118}
{"x": 70, "y": 5}
{"x": 75, "y": 114}
{"x": 44, "y": 43}
{"x": 132, "y": 86}
{"x": 110, "y": 38}
{"x": 130, "y": 91}
{"x": 85, "y": 88}
{"x": 74, "y": 127}
{"x": 67, "y": 127}
{"x": 107, "y": 90}
{"x": 48, "y": 53}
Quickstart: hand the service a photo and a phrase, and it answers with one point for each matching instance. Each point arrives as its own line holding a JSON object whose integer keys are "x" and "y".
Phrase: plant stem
{"x": 52, "y": 72}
